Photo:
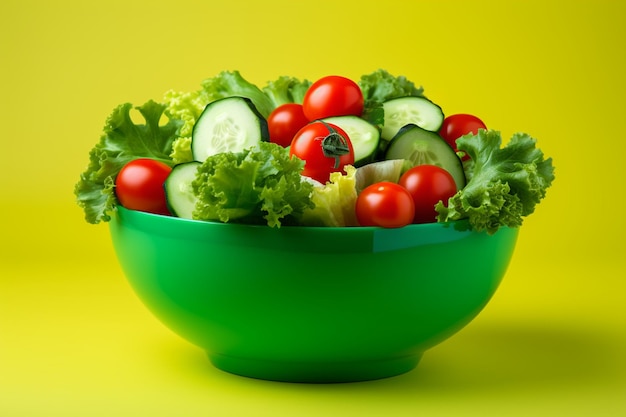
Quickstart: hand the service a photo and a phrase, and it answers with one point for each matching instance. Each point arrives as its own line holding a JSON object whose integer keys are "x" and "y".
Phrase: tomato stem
{"x": 334, "y": 145}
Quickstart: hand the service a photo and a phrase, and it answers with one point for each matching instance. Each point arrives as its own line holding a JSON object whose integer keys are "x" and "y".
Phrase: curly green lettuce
{"x": 122, "y": 141}
{"x": 186, "y": 106}
{"x": 261, "y": 185}
{"x": 505, "y": 183}
{"x": 181, "y": 150}
{"x": 285, "y": 90}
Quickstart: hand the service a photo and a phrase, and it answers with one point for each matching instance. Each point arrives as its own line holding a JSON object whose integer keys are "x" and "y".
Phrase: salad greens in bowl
{"x": 325, "y": 231}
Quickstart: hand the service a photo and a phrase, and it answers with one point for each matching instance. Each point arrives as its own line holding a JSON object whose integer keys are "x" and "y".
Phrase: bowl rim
{"x": 317, "y": 239}
{"x": 462, "y": 225}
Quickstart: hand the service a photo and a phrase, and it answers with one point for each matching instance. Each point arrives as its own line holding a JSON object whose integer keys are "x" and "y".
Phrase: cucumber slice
{"x": 420, "y": 111}
{"x": 230, "y": 124}
{"x": 363, "y": 135}
{"x": 178, "y": 191}
{"x": 421, "y": 146}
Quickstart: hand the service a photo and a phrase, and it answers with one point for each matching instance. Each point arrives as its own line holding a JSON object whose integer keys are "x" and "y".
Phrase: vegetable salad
{"x": 334, "y": 152}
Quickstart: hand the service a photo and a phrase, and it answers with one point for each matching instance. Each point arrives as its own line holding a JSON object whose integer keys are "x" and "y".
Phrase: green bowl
{"x": 306, "y": 304}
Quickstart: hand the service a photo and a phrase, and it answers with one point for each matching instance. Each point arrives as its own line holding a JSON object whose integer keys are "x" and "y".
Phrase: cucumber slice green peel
{"x": 420, "y": 111}
{"x": 181, "y": 199}
{"x": 420, "y": 147}
{"x": 229, "y": 124}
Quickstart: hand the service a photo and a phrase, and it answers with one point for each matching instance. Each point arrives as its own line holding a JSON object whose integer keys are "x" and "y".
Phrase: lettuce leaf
{"x": 505, "y": 183}
{"x": 231, "y": 83}
{"x": 380, "y": 86}
{"x": 286, "y": 90}
{"x": 334, "y": 202}
{"x": 185, "y": 106}
{"x": 259, "y": 185}
{"x": 181, "y": 150}
{"x": 122, "y": 141}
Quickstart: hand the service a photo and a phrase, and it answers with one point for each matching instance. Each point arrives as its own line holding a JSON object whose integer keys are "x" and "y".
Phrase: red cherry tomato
{"x": 457, "y": 125}
{"x": 324, "y": 147}
{"x": 333, "y": 96}
{"x": 139, "y": 185}
{"x": 385, "y": 204}
{"x": 284, "y": 122}
{"x": 428, "y": 184}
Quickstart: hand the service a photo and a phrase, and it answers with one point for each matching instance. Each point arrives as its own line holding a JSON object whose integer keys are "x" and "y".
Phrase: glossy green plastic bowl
{"x": 310, "y": 304}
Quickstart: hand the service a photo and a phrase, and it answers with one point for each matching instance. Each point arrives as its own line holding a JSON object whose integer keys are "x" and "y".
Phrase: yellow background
{"x": 74, "y": 339}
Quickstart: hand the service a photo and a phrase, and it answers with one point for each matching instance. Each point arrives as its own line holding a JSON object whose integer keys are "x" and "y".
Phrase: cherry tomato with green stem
{"x": 457, "y": 125}
{"x": 284, "y": 122}
{"x": 333, "y": 95}
{"x": 427, "y": 185}
{"x": 139, "y": 185}
{"x": 385, "y": 204}
{"x": 324, "y": 147}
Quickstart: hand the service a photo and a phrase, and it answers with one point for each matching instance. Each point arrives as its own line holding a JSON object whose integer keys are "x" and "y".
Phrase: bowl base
{"x": 315, "y": 372}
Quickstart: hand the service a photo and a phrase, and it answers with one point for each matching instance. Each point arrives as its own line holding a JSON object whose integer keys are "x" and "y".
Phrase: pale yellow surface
{"x": 74, "y": 339}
